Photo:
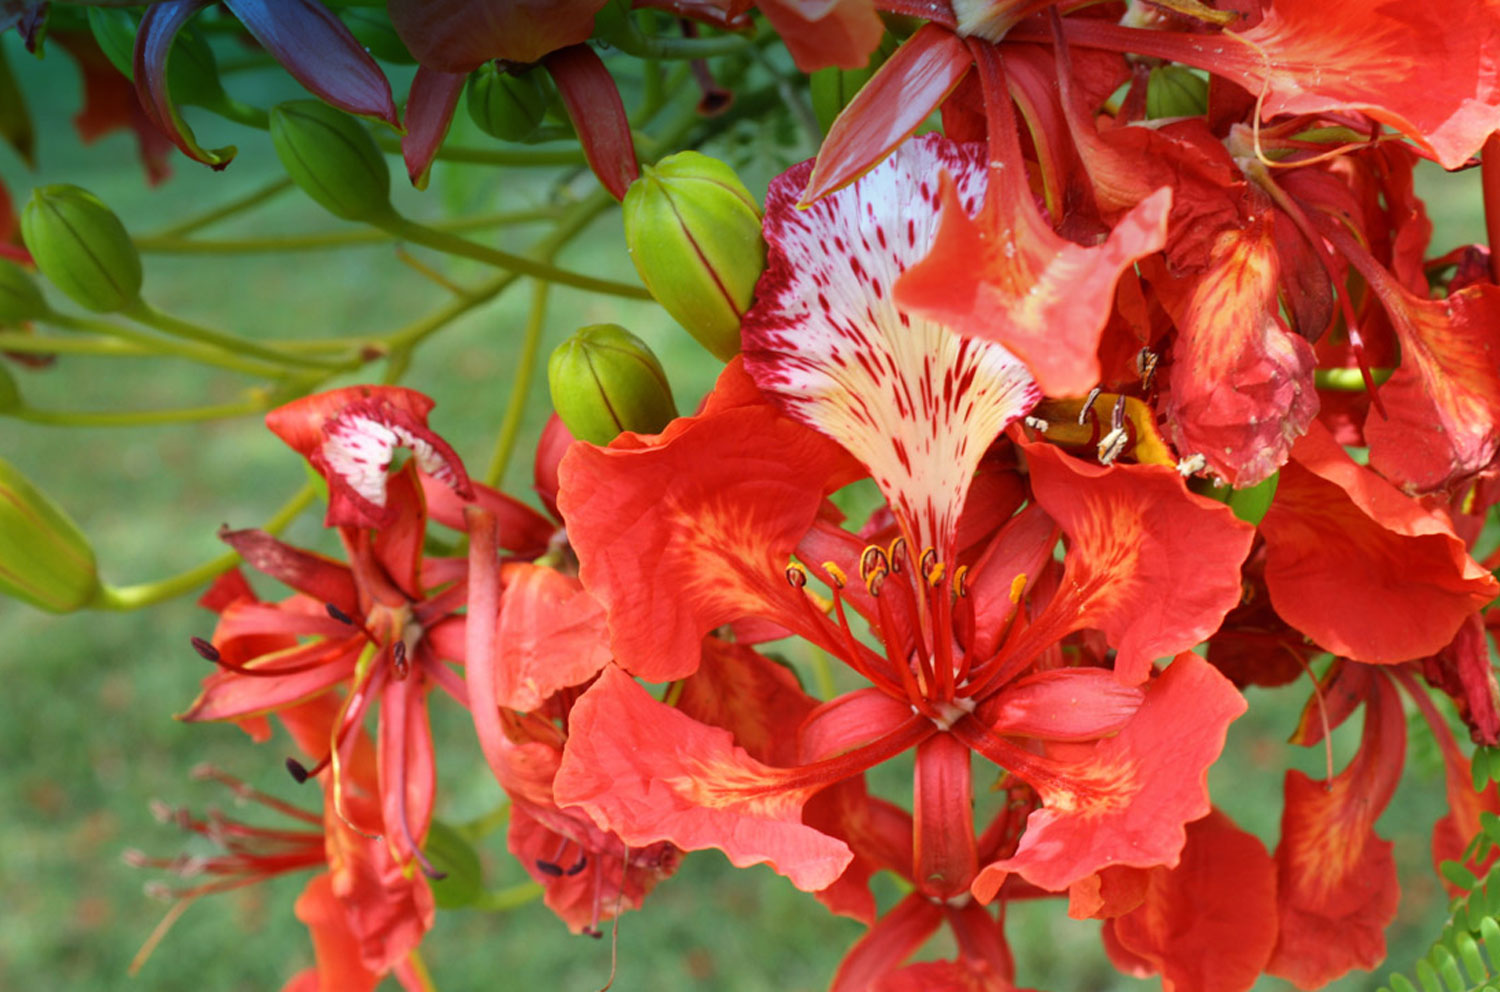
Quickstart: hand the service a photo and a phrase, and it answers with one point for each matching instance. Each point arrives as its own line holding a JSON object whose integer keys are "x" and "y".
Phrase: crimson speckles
{"x": 910, "y": 399}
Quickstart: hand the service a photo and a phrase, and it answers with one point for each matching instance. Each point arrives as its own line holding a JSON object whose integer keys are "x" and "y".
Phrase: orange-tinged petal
{"x": 1362, "y": 569}
{"x": 945, "y": 859}
{"x": 756, "y": 699}
{"x": 693, "y": 529}
{"x": 1128, "y": 800}
{"x": 647, "y": 773}
{"x": 336, "y": 946}
{"x": 916, "y": 404}
{"x": 825, "y": 33}
{"x": 1135, "y": 531}
{"x": 895, "y": 937}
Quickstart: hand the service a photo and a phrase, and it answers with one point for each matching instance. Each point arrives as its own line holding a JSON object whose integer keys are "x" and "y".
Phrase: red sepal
{"x": 429, "y": 111}
{"x": 457, "y": 35}
{"x": 593, "y": 102}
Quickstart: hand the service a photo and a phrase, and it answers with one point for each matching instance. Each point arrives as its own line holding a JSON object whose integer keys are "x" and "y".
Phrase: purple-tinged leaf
{"x": 321, "y": 54}
{"x": 457, "y": 35}
{"x": 153, "y": 43}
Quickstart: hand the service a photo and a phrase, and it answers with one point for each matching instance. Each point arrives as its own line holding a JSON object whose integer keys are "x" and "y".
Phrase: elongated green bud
{"x": 44, "y": 559}
{"x": 693, "y": 231}
{"x": 333, "y": 159}
{"x": 20, "y": 298}
{"x": 81, "y": 247}
{"x": 1175, "y": 91}
{"x": 506, "y": 106}
{"x": 605, "y": 380}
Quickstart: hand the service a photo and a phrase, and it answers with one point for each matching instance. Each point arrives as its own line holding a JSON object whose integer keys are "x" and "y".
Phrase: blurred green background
{"x": 86, "y": 722}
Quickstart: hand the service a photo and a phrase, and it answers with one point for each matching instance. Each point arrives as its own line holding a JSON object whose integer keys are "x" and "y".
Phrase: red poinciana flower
{"x": 961, "y": 592}
{"x": 379, "y": 627}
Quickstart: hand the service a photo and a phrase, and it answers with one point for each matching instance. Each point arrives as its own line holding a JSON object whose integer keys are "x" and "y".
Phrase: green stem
{"x": 53, "y": 344}
{"x": 139, "y": 418}
{"x": 150, "y": 593}
{"x": 630, "y": 41}
{"x": 520, "y": 387}
{"x": 238, "y": 205}
{"x": 508, "y": 898}
{"x": 452, "y": 244}
{"x": 165, "y": 244}
{"x": 142, "y": 312}
{"x": 822, "y": 673}
{"x": 497, "y": 156}
{"x": 150, "y": 344}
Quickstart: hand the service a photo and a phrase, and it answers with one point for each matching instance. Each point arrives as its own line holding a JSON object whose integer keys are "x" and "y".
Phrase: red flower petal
{"x": 1128, "y": 800}
{"x": 429, "y": 111}
{"x": 1241, "y": 385}
{"x": 888, "y": 108}
{"x": 917, "y": 405}
{"x": 1066, "y": 704}
{"x": 336, "y": 946}
{"x": 648, "y": 773}
{"x": 551, "y": 636}
{"x": 1337, "y": 889}
{"x": 316, "y": 576}
{"x": 754, "y": 698}
{"x": 593, "y": 102}
{"x": 1136, "y": 530}
{"x": 694, "y": 529}
{"x": 896, "y": 936}
{"x": 822, "y": 33}
{"x": 1008, "y": 277}
{"x": 1208, "y": 924}
{"x": 1363, "y": 570}
{"x": 457, "y": 35}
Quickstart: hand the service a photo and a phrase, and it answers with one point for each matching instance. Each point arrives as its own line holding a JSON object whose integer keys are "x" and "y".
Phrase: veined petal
{"x": 1337, "y": 889}
{"x": 911, "y": 400}
{"x": 754, "y": 698}
{"x": 1241, "y": 386}
{"x": 1129, "y": 800}
{"x": 1007, "y": 277}
{"x": 648, "y": 773}
{"x": 551, "y": 635}
{"x": 350, "y": 436}
{"x": 1136, "y": 530}
{"x": 316, "y": 576}
{"x": 1064, "y": 704}
{"x": 681, "y": 533}
{"x": 1362, "y": 569}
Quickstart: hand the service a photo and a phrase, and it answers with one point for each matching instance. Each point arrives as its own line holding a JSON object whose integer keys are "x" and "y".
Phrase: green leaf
{"x": 1458, "y": 875}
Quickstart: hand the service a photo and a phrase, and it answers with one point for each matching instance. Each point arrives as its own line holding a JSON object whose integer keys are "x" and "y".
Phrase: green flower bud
{"x": 44, "y": 558}
{"x": 833, "y": 88}
{"x": 506, "y": 106}
{"x": 463, "y": 878}
{"x": 605, "y": 380}
{"x": 1176, "y": 91}
{"x": 81, "y": 246}
{"x": 333, "y": 159}
{"x": 693, "y": 231}
{"x": 20, "y": 298}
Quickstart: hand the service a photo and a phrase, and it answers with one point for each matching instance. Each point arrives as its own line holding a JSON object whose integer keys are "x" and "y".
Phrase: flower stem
{"x": 238, "y": 205}
{"x": 142, "y": 312}
{"x": 140, "y": 418}
{"x": 520, "y": 388}
{"x": 443, "y": 241}
{"x": 149, "y": 593}
{"x": 148, "y": 344}
{"x": 497, "y": 156}
{"x": 171, "y": 244}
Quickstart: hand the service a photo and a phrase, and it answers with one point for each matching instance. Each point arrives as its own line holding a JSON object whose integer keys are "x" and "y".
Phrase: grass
{"x": 89, "y": 699}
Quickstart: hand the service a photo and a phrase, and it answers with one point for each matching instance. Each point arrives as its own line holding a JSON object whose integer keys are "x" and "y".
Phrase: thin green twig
{"x": 520, "y": 388}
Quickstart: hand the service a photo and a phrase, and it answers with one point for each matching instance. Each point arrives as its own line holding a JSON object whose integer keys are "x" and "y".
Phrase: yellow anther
{"x": 874, "y": 581}
{"x": 873, "y": 561}
{"x": 836, "y": 573}
{"x": 1017, "y": 586}
{"x": 796, "y": 575}
{"x": 936, "y": 574}
{"x": 896, "y": 552}
{"x": 928, "y": 561}
{"x": 961, "y": 580}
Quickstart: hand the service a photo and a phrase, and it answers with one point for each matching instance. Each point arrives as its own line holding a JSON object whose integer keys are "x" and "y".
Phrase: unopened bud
{"x": 81, "y": 247}
{"x": 506, "y": 106}
{"x": 605, "y": 380}
{"x": 44, "y": 559}
{"x": 693, "y": 231}
{"x": 333, "y": 159}
{"x": 1176, "y": 91}
{"x": 20, "y": 298}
